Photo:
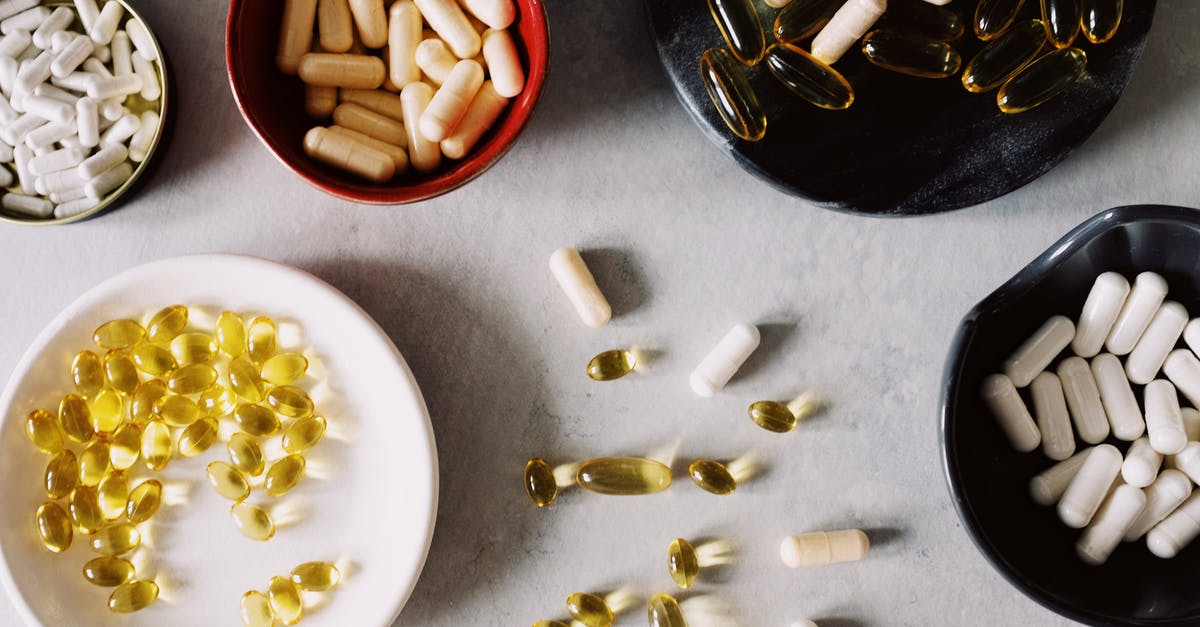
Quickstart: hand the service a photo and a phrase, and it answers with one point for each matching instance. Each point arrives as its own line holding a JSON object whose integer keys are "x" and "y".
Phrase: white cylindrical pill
{"x": 121, "y": 130}
{"x": 87, "y": 117}
{"x": 45, "y": 136}
{"x": 1157, "y": 340}
{"x": 71, "y": 57}
{"x": 59, "y": 40}
{"x": 1048, "y": 486}
{"x": 141, "y": 39}
{"x": 423, "y": 155}
{"x": 484, "y": 109}
{"x": 61, "y": 95}
{"x": 112, "y": 110}
{"x": 1149, "y": 290}
{"x": 35, "y": 72}
{"x": 1187, "y": 461}
{"x": 847, "y": 26}
{"x": 15, "y": 43}
{"x": 61, "y": 181}
{"x": 1141, "y": 464}
{"x": 1191, "y": 423}
{"x": 1116, "y": 395}
{"x": 435, "y": 59}
{"x": 1164, "y": 422}
{"x": 26, "y": 20}
{"x": 1177, "y": 530}
{"x": 59, "y": 198}
{"x": 97, "y": 67}
{"x": 9, "y": 8}
{"x": 404, "y": 35}
{"x": 27, "y": 205}
{"x": 100, "y": 186}
{"x": 1032, "y": 357}
{"x": 1089, "y": 486}
{"x": 1110, "y": 523}
{"x": 16, "y": 131}
{"x": 21, "y": 157}
{"x": 1100, "y": 311}
{"x": 144, "y": 69}
{"x": 450, "y": 102}
{"x": 104, "y": 160}
{"x": 139, "y": 144}
{"x": 6, "y": 156}
{"x": 6, "y": 176}
{"x": 8, "y": 78}
{"x": 49, "y": 109}
{"x": 1083, "y": 399}
{"x": 497, "y": 14}
{"x": 75, "y": 81}
{"x": 61, "y": 159}
{"x": 577, "y": 282}
{"x": 1058, "y": 439}
{"x": 1183, "y": 369}
{"x": 105, "y": 88}
{"x": 103, "y": 54}
{"x": 88, "y": 12}
{"x": 122, "y": 54}
{"x": 1162, "y": 497}
{"x": 824, "y": 547}
{"x": 73, "y": 207}
{"x": 451, "y": 24}
{"x": 1191, "y": 335}
{"x": 106, "y": 23}
{"x": 729, "y": 354}
{"x": 503, "y": 63}
{"x": 57, "y": 22}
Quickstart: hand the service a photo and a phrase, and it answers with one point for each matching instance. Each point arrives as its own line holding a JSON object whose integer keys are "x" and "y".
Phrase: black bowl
{"x": 989, "y": 480}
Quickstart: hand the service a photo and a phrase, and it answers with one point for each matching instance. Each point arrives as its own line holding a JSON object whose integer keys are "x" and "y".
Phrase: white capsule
{"x": 122, "y": 54}
{"x": 577, "y": 282}
{"x": 504, "y": 65}
{"x": 15, "y": 132}
{"x": 435, "y": 59}
{"x": 144, "y": 69}
{"x": 100, "y": 186}
{"x": 15, "y": 43}
{"x": 21, "y": 157}
{"x": 45, "y": 136}
{"x": 61, "y": 95}
{"x": 1191, "y": 423}
{"x": 1162, "y": 497}
{"x": 1120, "y": 404}
{"x": 6, "y": 156}
{"x": 9, "y": 8}
{"x": 25, "y": 20}
{"x": 1187, "y": 461}
{"x": 103, "y": 54}
{"x": 88, "y": 12}
{"x": 104, "y": 160}
{"x": 1141, "y": 464}
{"x": 1159, "y": 338}
{"x": 141, "y": 39}
{"x": 54, "y": 161}
{"x": 1149, "y": 290}
{"x": 1100, "y": 311}
{"x": 59, "y": 182}
{"x": 106, "y": 23}
{"x": 49, "y": 109}
{"x": 71, "y": 57}
{"x": 8, "y": 115}
{"x": 105, "y": 88}
{"x": 57, "y": 22}
{"x": 1110, "y": 523}
{"x": 1083, "y": 399}
{"x": 121, "y": 130}
{"x": 1058, "y": 439}
{"x": 59, "y": 198}
{"x": 1164, "y": 422}
{"x": 719, "y": 366}
{"x": 87, "y": 116}
{"x": 847, "y": 26}
{"x": 73, "y": 207}
{"x": 1032, "y": 357}
{"x": 1177, "y": 530}
{"x": 37, "y": 71}
{"x": 1183, "y": 369}
{"x": 1048, "y": 486}
{"x": 451, "y": 24}
{"x": 27, "y": 205}
{"x": 6, "y": 177}
{"x": 143, "y": 139}
{"x": 75, "y": 81}
{"x": 112, "y": 110}
{"x": 484, "y": 109}
{"x": 95, "y": 66}
{"x": 1089, "y": 486}
{"x": 59, "y": 40}
{"x": 450, "y": 102}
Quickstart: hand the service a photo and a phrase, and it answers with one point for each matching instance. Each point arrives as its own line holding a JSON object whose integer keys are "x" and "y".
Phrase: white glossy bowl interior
{"x": 368, "y": 502}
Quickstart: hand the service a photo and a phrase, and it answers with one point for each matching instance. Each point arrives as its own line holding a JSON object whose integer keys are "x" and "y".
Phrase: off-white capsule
{"x": 1191, "y": 335}
{"x": 1183, "y": 369}
{"x": 87, "y": 117}
{"x": 103, "y": 54}
{"x": 1187, "y": 461}
{"x": 144, "y": 69}
{"x": 1149, "y": 290}
{"x": 483, "y": 112}
{"x": 497, "y": 14}
{"x": 49, "y": 109}
{"x": 71, "y": 56}
{"x": 1159, "y": 338}
{"x": 22, "y": 155}
{"x": 398, "y": 154}
{"x": 88, "y": 12}
{"x": 404, "y": 35}
{"x": 1162, "y": 497}
{"x": 423, "y": 155}
{"x": 724, "y": 360}
{"x": 121, "y": 130}
{"x": 847, "y": 26}
{"x": 342, "y": 152}
{"x": 61, "y": 95}
{"x": 1141, "y": 464}
{"x": 1177, "y": 530}
{"x": 6, "y": 177}
{"x": 36, "y": 72}
{"x": 1005, "y": 403}
{"x": 9, "y": 8}
{"x": 824, "y": 547}
{"x": 1083, "y": 399}
{"x": 106, "y": 23}
{"x": 97, "y": 67}
{"x": 451, "y": 24}
{"x": 1191, "y": 423}
{"x": 141, "y": 39}
{"x": 43, "y": 137}
{"x": 577, "y": 282}
{"x": 1164, "y": 422}
{"x": 75, "y": 81}
{"x": 15, "y": 43}
{"x": 60, "y": 181}
{"x": 377, "y": 100}
{"x": 1032, "y": 357}
{"x": 100, "y": 186}
{"x": 28, "y": 20}
{"x": 1116, "y": 395}
{"x": 73, "y": 207}
{"x": 434, "y": 58}
{"x": 59, "y": 19}
{"x": 27, "y": 205}
{"x": 1048, "y": 486}
{"x": 1089, "y": 486}
{"x": 15, "y": 132}
{"x": 56, "y": 160}
{"x": 122, "y": 54}
{"x": 143, "y": 139}
{"x": 59, "y": 40}
{"x": 1110, "y": 523}
{"x": 104, "y": 160}
{"x": 450, "y": 102}
{"x": 1053, "y": 421}
{"x": 503, "y": 63}
{"x": 107, "y": 87}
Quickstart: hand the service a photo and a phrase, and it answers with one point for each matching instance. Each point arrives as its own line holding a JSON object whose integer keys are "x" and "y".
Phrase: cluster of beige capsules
{"x": 160, "y": 392}
{"x": 1026, "y": 62}
{"x": 446, "y": 99}
{"x": 641, "y": 475}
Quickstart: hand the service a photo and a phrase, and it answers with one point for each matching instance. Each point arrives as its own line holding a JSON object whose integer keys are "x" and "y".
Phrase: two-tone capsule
{"x": 732, "y": 94}
{"x": 808, "y": 78}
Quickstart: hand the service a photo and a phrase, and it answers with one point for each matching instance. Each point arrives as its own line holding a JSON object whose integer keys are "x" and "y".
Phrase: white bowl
{"x": 368, "y": 502}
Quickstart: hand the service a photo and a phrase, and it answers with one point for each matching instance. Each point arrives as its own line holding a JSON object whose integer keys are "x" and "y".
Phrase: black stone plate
{"x": 907, "y": 146}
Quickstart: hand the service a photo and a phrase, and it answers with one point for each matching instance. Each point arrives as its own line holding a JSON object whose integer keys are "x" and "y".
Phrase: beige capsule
{"x": 451, "y": 101}
{"x": 451, "y": 24}
{"x": 319, "y": 101}
{"x": 404, "y": 35}
{"x": 496, "y": 14}
{"x": 504, "y": 65}
{"x": 358, "y": 71}
{"x": 399, "y": 161}
{"x": 821, "y": 547}
{"x": 295, "y": 33}
{"x": 335, "y": 25}
{"x": 485, "y": 109}
{"x": 344, "y": 153}
{"x": 378, "y": 100}
{"x": 423, "y": 155}
{"x": 371, "y": 19}
{"x": 361, "y": 119}
{"x": 434, "y": 58}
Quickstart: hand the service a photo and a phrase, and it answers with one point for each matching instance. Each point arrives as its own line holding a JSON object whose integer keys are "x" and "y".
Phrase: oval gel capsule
{"x": 1148, "y": 292}
{"x": 1032, "y": 357}
{"x": 1083, "y": 399}
{"x": 1162, "y": 497}
{"x": 1006, "y": 405}
{"x": 1141, "y": 464}
{"x": 1110, "y": 523}
{"x": 1116, "y": 395}
{"x": 724, "y": 360}
{"x": 1100, "y": 312}
{"x": 1164, "y": 422}
{"x": 1048, "y": 486}
{"x": 1089, "y": 486}
{"x": 1177, "y": 530}
{"x": 1160, "y": 337}
{"x": 1053, "y": 421}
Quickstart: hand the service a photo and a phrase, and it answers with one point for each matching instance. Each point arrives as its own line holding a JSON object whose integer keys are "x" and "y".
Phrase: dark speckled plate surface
{"x": 908, "y": 146}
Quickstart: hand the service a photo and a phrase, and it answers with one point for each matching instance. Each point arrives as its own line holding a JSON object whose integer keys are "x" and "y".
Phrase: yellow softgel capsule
{"x": 43, "y": 431}
{"x": 244, "y": 379}
{"x": 285, "y": 600}
{"x": 114, "y": 492}
{"x": 290, "y": 401}
{"x": 245, "y": 454}
{"x": 732, "y": 94}
{"x": 75, "y": 418}
{"x": 141, "y": 403}
{"x": 228, "y": 481}
{"x": 167, "y": 323}
{"x": 682, "y": 563}
{"x": 88, "y": 374}
{"x": 772, "y": 416}
{"x": 316, "y": 576}
{"x": 623, "y": 475}
{"x": 153, "y": 359}
{"x": 54, "y": 527}
{"x": 261, "y": 339}
{"x": 303, "y": 434}
{"x": 85, "y": 509}
{"x": 217, "y": 401}
{"x": 253, "y": 521}
{"x": 1041, "y": 80}
{"x": 133, "y": 596}
{"x": 284, "y": 474}
{"x": 94, "y": 463}
{"x": 62, "y": 474}
{"x": 256, "y": 610}
{"x": 118, "y": 334}
{"x": 125, "y": 446}
{"x": 589, "y": 609}
{"x": 664, "y": 611}
{"x": 284, "y": 368}
{"x": 612, "y": 364}
{"x": 107, "y": 410}
{"x": 231, "y": 333}
{"x": 116, "y": 539}
{"x": 121, "y": 372}
{"x": 177, "y": 411}
{"x": 193, "y": 348}
{"x": 143, "y": 501}
{"x": 539, "y": 482}
{"x": 550, "y": 623}
{"x": 256, "y": 419}
{"x": 156, "y": 445}
{"x": 192, "y": 378}
{"x": 712, "y": 476}
{"x": 197, "y": 437}
{"x": 108, "y": 571}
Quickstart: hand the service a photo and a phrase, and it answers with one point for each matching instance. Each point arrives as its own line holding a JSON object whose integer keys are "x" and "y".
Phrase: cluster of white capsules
{"x": 1115, "y": 497}
{"x": 66, "y": 123}
{"x": 445, "y": 102}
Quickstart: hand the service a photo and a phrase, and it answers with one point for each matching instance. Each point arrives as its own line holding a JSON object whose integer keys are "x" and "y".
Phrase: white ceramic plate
{"x": 368, "y": 502}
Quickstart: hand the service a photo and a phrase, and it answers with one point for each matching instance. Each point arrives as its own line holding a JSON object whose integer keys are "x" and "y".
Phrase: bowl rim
{"x": 1020, "y": 283}
{"x": 535, "y": 79}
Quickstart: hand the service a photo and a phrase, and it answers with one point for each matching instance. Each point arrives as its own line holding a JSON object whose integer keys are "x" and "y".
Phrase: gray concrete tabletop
{"x": 685, "y": 243}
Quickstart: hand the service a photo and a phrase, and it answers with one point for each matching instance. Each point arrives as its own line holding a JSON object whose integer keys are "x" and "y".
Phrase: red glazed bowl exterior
{"x": 273, "y": 105}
